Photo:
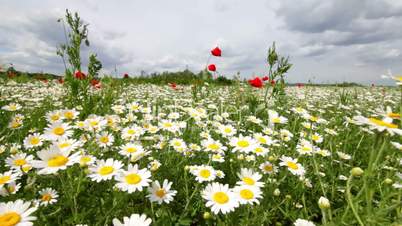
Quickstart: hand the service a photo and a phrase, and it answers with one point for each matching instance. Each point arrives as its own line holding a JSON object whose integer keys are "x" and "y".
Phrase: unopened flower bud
{"x": 206, "y": 215}
{"x": 277, "y": 192}
{"x": 356, "y": 171}
{"x": 388, "y": 181}
{"x": 323, "y": 203}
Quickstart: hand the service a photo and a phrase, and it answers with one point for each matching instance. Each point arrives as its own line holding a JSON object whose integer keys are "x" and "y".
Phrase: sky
{"x": 327, "y": 41}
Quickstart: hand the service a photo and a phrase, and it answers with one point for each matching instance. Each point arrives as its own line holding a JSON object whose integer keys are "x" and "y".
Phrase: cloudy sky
{"x": 327, "y": 41}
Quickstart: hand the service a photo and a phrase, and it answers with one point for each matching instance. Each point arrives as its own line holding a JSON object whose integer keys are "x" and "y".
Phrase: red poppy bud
{"x": 265, "y": 78}
{"x": 79, "y": 75}
{"x": 173, "y": 85}
{"x": 216, "y": 52}
{"x": 212, "y": 67}
{"x": 272, "y": 82}
{"x": 125, "y": 75}
{"x": 257, "y": 82}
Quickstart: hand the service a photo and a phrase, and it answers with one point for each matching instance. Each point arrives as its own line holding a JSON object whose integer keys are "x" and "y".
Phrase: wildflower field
{"x": 85, "y": 151}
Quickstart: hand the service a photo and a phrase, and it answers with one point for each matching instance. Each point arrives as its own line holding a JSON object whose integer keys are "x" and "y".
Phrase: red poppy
{"x": 257, "y": 82}
{"x": 273, "y": 82}
{"x": 79, "y": 75}
{"x": 126, "y": 75}
{"x": 300, "y": 85}
{"x": 173, "y": 85}
{"x": 60, "y": 80}
{"x": 265, "y": 78}
{"x": 95, "y": 83}
{"x": 372, "y": 85}
{"x": 216, "y": 52}
{"x": 212, "y": 67}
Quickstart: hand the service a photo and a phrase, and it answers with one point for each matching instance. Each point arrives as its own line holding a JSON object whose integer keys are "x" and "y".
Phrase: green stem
{"x": 350, "y": 201}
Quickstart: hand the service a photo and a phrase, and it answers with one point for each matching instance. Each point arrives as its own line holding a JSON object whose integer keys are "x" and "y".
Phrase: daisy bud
{"x": 277, "y": 192}
{"x": 206, "y": 215}
{"x": 323, "y": 203}
{"x": 271, "y": 158}
{"x": 288, "y": 197}
{"x": 356, "y": 171}
{"x": 388, "y": 181}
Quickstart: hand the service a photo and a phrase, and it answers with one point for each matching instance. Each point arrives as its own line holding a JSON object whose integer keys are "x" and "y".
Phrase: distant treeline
{"x": 185, "y": 77}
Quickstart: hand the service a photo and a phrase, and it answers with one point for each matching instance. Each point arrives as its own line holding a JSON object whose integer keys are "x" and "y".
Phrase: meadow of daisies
{"x": 88, "y": 151}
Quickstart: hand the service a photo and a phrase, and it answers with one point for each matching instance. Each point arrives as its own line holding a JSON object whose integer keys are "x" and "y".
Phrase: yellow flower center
{"x": 131, "y": 131}
{"x": 46, "y": 197}
{"x": 104, "y": 139}
{"x": 382, "y": 123}
{"x": 248, "y": 180}
{"x": 20, "y": 162}
{"x": 213, "y": 146}
{"x": 10, "y": 219}
{"x": 227, "y": 130}
{"x": 64, "y": 145}
{"x": 58, "y": 131}
{"x": 34, "y": 140}
{"x": 94, "y": 123}
{"x": 276, "y": 120}
{"x": 160, "y": 193}
{"x": 55, "y": 117}
{"x": 133, "y": 178}
{"x": 262, "y": 140}
{"x": 292, "y": 165}
{"x": 13, "y": 107}
{"x": 4, "y": 179}
{"x": 131, "y": 149}
{"x": 106, "y": 170}
{"x": 315, "y": 137}
{"x": 258, "y": 150}
{"x": 85, "y": 159}
{"x": 69, "y": 115}
{"x": 268, "y": 168}
{"x": 243, "y": 143}
{"x": 167, "y": 124}
{"x": 314, "y": 118}
{"x": 205, "y": 173}
{"x": 246, "y": 194}
{"x": 56, "y": 161}
{"x": 306, "y": 149}
{"x": 15, "y": 124}
{"x": 221, "y": 197}
{"x": 177, "y": 143}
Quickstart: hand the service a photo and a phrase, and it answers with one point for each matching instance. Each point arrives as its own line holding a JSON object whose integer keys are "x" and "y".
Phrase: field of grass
{"x": 328, "y": 155}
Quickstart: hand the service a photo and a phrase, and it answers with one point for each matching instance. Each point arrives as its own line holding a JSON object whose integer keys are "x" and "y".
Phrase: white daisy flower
{"x": 204, "y": 173}
{"x": 133, "y": 220}
{"x": 17, "y": 213}
{"x": 133, "y": 179}
{"x": 53, "y": 160}
{"x": 105, "y": 170}
{"x": 250, "y": 178}
{"x": 47, "y": 196}
{"x": 57, "y": 131}
{"x": 7, "y": 178}
{"x": 242, "y": 144}
{"x": 33, "y": 140}
{"x": 293, "y": 166}
{"x": 268, "y": 168}
{"x": 220, "y": 198}
{"x": 18, "y": 160}
{"x": 160, "y": 193}
{"x": 248, "y": 194}
{"x": 104, "y": 139}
